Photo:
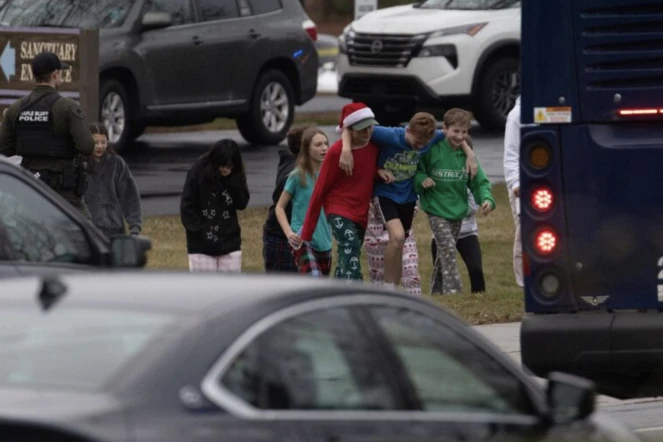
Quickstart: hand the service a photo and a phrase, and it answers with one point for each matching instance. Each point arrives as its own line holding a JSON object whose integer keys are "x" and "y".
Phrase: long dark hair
{"x": 101, "y": 129}
{"x": 224, "y": 152}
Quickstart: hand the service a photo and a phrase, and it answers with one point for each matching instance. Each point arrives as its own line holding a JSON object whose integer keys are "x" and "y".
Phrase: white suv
{"x": 434, "y": 55}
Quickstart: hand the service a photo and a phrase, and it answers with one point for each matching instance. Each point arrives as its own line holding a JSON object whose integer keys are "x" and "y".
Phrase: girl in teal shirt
{"x": 315, "y": 257}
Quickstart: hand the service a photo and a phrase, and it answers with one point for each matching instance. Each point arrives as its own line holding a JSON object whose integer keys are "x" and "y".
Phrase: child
{"x": 375, "y": 243}
{"x": 345, "y": 198}
{"x": 442, "y": 184}
{"x": 214, "y": 190}
{"x": 276, "y": 252}
{"x": 395, "y": 199}
{"x": 315, "y": 257}
{"x": 111, "y": 195}
{"x": 469, "y": 248}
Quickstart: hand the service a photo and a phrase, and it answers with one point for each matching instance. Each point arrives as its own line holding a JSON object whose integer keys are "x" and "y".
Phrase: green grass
{"x": 503, "y": 301}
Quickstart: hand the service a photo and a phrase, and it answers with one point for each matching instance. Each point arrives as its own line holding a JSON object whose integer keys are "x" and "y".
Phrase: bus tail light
{"x": 542, "y": 199}
{"x": 550, "y": 284}
{"x": 539, "y": 156}
{"x": 545, "y": 241}
{"x": 639, "y": 112}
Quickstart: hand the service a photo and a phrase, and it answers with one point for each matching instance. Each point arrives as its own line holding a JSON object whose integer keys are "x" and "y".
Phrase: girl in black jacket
{"x": 214, "y": 190}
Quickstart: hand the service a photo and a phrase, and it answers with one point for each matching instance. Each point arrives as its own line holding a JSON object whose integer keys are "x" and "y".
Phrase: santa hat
{"x": 353, "y": 113}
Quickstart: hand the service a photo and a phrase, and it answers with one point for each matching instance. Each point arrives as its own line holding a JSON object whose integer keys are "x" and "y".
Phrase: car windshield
{"x": 472, "y": 5}
{"x": 72, "y": 348}
{"x": 64, "y": 13}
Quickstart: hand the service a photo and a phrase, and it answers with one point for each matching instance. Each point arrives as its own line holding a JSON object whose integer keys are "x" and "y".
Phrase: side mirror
{"x": 130, "y": 250}
{"x": 570, "y": 398}
{"x": 156, "y": 20}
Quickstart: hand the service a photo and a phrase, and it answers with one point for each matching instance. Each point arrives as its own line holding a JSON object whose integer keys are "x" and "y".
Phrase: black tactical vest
{"x": 34, "y": 130}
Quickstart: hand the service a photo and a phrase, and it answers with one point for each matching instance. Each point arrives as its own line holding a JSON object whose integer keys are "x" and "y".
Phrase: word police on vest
{"x": 34, "y": 116}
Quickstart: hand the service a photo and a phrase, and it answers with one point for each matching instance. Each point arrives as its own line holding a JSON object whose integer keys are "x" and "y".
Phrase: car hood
{"x": 409, "y": 20}
{"x": 94, "y": 413}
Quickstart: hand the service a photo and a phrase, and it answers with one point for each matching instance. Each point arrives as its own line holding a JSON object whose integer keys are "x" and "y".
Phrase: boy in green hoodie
{"x": 442, "y": 182}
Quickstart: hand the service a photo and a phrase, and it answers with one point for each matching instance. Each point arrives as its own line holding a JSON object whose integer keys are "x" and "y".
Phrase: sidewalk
{"x": 507, "y": 338}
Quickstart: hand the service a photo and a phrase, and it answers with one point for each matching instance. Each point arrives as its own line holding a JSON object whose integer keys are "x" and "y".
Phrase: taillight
{"x": 539, "y": 156}
{"x": 545, "y": 241}
{"x": 542, "y": 199}
{"x": 311, "y": 30}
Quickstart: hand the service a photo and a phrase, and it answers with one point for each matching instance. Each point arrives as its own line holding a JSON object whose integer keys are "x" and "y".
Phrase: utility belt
{"x": 73, "y": 177}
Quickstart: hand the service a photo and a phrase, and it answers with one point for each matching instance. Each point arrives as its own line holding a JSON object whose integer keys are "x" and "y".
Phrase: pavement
{"x": 507, "y": 338}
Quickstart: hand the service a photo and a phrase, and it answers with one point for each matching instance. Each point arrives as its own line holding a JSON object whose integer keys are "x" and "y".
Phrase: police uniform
{"x": 50, "y": 132}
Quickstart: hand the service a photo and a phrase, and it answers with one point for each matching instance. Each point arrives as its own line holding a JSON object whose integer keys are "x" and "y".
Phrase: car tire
{"x": 272, "y": 97}
{"x": 496, "y": 93}
{"x": 115, "y": 112}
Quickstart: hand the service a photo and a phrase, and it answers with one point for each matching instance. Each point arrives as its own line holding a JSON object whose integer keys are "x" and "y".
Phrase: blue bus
{"x": 591, "y": 180}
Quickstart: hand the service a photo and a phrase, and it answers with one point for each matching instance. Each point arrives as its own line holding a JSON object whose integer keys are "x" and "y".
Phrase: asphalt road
{"x": 159, "y": 162}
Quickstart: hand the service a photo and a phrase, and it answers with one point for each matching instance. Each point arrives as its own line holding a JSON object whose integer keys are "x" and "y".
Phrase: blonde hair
{"x": 457, "y": 117}
{"x": 304, "y": 166}
{"x": 422, "y": 125}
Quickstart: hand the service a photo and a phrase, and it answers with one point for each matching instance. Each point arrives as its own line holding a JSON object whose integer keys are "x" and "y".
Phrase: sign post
{"x": 77, "y": 47}
{"x": 363, "y": 7}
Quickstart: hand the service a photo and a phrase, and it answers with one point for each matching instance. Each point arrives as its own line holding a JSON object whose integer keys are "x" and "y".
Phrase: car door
{"x": 37, "y": 236}
{"x": 172, "y": 57}
{"x": 314, "y": 373}
{"x": 229, "y": 33}
{"x": 462, "y": 391}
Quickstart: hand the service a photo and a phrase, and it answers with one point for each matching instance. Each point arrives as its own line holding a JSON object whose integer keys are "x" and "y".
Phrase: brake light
{"x": 311, "y": 30}
{"x": 638, "y": 112}
{"x": 546, "y": 241}
{"x": 542, "y": 199}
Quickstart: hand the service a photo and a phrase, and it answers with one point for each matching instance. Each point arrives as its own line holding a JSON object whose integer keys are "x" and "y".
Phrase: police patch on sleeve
{"x": 77, "y": 111}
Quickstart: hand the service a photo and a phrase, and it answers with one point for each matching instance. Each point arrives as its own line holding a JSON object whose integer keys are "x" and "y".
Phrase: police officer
{"x": 50, "y": 132}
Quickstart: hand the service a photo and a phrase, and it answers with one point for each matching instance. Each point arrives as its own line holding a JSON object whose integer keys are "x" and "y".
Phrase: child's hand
{"x": 471, "y": 165}
{"x": 346, "y": 162}
{"x": 486, "y": 208}
{"x": 386, "y": 176}
{"x": 428, "y": 183}
{"x": 294, "y": 240}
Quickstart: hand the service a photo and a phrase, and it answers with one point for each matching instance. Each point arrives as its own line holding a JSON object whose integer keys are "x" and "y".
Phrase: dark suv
{"x": 182, "y": 62}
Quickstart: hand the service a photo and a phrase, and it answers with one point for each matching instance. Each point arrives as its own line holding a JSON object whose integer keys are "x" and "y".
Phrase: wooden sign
{"x": 77, "y": 47}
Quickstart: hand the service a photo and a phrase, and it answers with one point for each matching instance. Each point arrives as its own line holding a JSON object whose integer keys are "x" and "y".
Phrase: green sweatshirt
{"x": 448, "y": 198}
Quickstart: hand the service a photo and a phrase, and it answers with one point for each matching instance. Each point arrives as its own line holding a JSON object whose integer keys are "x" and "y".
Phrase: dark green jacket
{"x": 68, "y": 119}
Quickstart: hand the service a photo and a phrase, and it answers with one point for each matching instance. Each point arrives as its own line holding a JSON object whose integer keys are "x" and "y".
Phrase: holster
{"x": 80, "y": 172}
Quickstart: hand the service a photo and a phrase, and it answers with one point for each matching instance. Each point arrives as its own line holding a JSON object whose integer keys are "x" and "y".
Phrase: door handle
{"x": 196, "y": 40}
{"x": 253, "y": 33}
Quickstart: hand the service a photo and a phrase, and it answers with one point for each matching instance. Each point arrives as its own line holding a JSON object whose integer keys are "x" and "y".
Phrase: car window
{"x": 65, "y": 13}
{"x": 180, "y": 10}
{"x": 265, "y": 6}
{"x": 71, "y": 348}
{"x": 319, "y": 360}
{"x": 448, "y": 372}
{"x": 32, "y": 229}
{"x": 218, "y": 9}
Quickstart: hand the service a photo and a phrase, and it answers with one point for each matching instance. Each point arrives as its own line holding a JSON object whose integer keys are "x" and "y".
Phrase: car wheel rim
{"x": 506, "y": 90}
{"x": 274, "y": 107}
{"x": 113, "y": 115}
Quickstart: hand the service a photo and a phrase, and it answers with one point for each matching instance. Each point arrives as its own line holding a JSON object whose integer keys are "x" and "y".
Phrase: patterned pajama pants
{"x": 231, "y": 262}
{"x": 375, "y": 243}
{"x": 312, "y": 262}
{"x": 445, "y": 278}
{"x": 349, "y": 238}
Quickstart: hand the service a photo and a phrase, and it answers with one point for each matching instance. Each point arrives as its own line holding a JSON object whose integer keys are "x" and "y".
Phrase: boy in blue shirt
{"x": 395, "y": 198}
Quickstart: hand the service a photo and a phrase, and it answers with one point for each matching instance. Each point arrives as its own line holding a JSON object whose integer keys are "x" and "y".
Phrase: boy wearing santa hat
{"x": 344, "y": 197}
{"x": 395, "y": 198}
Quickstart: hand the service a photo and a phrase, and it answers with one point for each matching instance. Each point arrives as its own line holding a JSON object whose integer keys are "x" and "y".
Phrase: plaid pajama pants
{"x": 232, "y": 262}
{"x": 312, "y": 262}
